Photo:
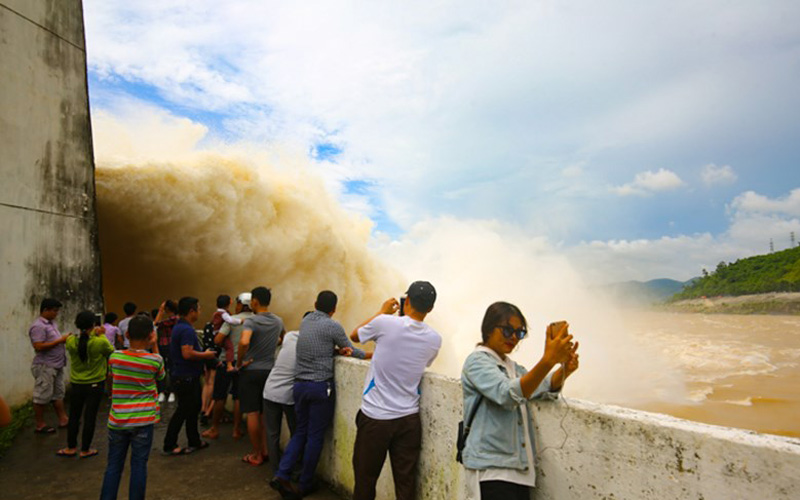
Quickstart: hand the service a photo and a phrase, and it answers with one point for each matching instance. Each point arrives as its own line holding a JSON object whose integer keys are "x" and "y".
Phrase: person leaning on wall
{"x": 499, "y": 460}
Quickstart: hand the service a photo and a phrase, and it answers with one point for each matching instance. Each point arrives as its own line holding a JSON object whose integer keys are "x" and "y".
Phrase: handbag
{"x": 463, "y": 431}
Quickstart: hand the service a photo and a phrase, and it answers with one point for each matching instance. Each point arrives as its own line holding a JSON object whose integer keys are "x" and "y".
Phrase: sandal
{"x": 65, "y": 454}
{"x": 44, "y": 430}
{"x": 175, "y": 452}
{"x": 89, "y": 454}
{"x": 251, "y": 460}
{"x": 191, "y": 449}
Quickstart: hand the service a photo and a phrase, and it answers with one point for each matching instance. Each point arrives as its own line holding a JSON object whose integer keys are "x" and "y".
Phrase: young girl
{"x": 87, "y": 359}
{"x": 499, "y": 452}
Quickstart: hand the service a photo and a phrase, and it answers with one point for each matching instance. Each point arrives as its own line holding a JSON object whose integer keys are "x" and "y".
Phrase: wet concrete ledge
{"x": 585, "y": 450}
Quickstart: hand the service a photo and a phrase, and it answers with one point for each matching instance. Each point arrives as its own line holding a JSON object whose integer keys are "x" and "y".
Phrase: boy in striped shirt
{"x": 134, "y": 409}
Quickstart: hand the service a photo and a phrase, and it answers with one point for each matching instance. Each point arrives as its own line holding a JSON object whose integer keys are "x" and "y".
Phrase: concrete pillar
{"x": 48, "y": 223}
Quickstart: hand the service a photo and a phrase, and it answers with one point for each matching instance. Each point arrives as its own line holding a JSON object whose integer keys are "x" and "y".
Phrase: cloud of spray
{"x": 202, "y": 224}
{"x": 475, "y": 263}
{"x": 181, "y": 221}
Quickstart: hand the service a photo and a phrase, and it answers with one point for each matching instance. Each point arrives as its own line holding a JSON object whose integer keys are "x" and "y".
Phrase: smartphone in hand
{"x": 556, "y": 327}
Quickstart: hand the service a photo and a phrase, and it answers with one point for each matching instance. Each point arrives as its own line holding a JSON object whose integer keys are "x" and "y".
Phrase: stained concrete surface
{"x": 31, "y": 469}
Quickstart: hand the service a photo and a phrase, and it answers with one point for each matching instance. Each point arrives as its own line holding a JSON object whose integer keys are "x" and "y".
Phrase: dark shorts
{"x": 225, "y": 382}
{"x": 251, "y": 390}
{"x": 211, "y": 364}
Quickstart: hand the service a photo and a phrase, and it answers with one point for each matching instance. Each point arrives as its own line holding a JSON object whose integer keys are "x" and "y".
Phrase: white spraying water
{"x": 176, "y": 220}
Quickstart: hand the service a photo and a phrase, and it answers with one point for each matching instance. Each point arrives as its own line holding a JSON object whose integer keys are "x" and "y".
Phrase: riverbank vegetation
{"x": 773, "y": 272}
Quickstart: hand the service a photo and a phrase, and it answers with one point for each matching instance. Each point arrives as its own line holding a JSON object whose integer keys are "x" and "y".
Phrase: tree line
{"x": 773, "y": 272}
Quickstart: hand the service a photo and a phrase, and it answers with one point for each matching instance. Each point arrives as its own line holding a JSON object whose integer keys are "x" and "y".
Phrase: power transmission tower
{"x": 771, "y": 246}
{"x": 791, "y": 235}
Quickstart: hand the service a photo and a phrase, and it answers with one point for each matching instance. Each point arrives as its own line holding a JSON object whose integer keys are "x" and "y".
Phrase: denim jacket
{"x": 496, "y": 436}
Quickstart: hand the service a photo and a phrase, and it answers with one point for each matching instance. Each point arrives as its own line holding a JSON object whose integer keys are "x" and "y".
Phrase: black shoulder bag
{"x": 463, "y": 430}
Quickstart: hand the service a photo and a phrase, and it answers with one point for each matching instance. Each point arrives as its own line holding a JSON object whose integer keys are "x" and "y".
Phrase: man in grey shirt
{"x": 319, "y": 339}
{"x": 256, "y": 357}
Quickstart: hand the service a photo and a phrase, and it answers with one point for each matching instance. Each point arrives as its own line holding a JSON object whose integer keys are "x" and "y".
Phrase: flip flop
{"x": 44, "y": 430}
{"x": 63, "y": 426}
{"x": 248, "y": 459}
{"x": 89, "y": 454}
{"x": 175, "y": 452}
{"x": 65, "y": 454}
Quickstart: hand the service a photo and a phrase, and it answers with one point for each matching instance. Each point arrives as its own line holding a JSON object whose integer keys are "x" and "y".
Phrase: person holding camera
{"x": 499, "y": 449}
{"x": 388, "y": 420}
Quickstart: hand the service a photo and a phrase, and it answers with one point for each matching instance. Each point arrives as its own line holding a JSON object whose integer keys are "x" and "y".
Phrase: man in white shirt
{"x": 389, "y": 417}
{"x": 278, "y": 395}
{"x": 130, "y": 310}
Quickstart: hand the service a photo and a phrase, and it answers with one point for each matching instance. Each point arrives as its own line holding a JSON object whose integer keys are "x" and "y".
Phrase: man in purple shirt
{"x": 48, "y": 365}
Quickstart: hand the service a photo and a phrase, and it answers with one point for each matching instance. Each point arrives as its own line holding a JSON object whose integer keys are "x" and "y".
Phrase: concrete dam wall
{"x": 585, "y": 450}
{"x": 47, "y": 199}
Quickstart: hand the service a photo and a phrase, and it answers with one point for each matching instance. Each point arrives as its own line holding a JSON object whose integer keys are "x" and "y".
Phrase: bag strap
{"x": 468, "y": 423}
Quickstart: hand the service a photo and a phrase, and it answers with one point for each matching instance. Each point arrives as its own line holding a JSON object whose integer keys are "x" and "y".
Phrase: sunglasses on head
{"x": 510, "y": 331}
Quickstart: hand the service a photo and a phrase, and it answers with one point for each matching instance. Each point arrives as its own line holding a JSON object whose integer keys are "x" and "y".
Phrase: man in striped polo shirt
{"x": 134, "y": 409}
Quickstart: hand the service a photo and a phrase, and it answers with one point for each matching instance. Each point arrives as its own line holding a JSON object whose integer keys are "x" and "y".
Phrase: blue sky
{"x": 655, "y": 138}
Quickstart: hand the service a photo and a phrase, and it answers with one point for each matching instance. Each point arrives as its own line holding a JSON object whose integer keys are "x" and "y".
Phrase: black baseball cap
{"x": 422, "y": 295}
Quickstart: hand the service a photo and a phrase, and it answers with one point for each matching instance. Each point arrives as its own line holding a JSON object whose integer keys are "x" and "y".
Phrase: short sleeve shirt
{"x": 183, "y": 334}
{"x": 404, "y": 347}
{"x": 43, "y": 330}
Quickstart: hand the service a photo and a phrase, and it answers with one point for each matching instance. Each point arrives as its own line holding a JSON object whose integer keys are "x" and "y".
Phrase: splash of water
{"x": 198, "y": 223}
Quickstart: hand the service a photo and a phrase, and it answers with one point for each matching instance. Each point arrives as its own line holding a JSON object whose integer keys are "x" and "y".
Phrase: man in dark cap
{"x": 389, "y": 417}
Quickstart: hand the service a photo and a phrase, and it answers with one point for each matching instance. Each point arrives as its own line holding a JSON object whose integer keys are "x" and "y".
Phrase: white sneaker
{"x": 161, "y": 397}
{"x": 171, "y": 398}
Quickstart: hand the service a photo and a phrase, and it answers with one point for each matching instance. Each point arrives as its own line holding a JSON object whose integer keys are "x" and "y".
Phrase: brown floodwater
{"x": 739, "y": 371}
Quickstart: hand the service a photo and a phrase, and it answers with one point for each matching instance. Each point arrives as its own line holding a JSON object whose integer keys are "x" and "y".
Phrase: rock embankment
{"x": 765, "y": 303}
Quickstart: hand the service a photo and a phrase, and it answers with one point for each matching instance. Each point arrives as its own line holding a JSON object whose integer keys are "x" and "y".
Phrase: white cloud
{"x": 649, "y": 182}
{"x": 712, "y": 174}
{"x": 753, "y": 202}
{"x": 754, "y": 221}
{"x": 453, "y": 91}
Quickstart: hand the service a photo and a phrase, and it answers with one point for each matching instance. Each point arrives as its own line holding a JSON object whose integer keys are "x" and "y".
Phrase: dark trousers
{"x": 84, "y": 400}
{"x": 273, "y": 418}
{"x": 188, "y": 392}
{"x": 140, "y": 440}
{"x": 165, "y": 386}
{"x": 502, "y": 490}
{"x": 313, "y": 406}
{"x": 402, "y": 439}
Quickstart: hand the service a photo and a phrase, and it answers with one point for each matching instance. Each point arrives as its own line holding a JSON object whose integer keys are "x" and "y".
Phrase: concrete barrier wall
{"x": 585, "y": 450}
{"x": 47, "y": 202}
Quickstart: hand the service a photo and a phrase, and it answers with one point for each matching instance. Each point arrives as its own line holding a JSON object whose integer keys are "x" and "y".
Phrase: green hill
{"x": 774, "y": 272}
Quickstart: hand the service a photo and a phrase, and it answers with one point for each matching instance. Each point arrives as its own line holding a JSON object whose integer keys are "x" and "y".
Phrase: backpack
{"x": 208, "y": 338}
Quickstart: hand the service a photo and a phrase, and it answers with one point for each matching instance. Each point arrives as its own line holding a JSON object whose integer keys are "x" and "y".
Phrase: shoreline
{"x": 779, "y": 303}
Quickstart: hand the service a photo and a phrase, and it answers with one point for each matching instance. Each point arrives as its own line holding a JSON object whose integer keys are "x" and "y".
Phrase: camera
{"x": 98, "y": 320}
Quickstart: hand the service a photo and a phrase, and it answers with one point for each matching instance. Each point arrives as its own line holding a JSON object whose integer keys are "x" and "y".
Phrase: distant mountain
{"x": 647, "y": 292}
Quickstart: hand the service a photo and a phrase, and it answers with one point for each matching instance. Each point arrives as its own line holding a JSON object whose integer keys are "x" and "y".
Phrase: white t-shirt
{"x": 278, "y": 388}
{"x": 404, "y": 347}
{"x": 123, "y": 329}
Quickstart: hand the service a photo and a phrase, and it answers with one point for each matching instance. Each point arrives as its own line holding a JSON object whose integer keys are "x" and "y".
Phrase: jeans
{"x": 140, "y": 440}
{"x": 313, "y": 406}
{"x": 188, "y": 392}
{"x": 83, "y": 397}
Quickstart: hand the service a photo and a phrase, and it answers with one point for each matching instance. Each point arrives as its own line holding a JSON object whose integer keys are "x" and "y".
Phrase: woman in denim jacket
{"x": 499, "y": 452}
